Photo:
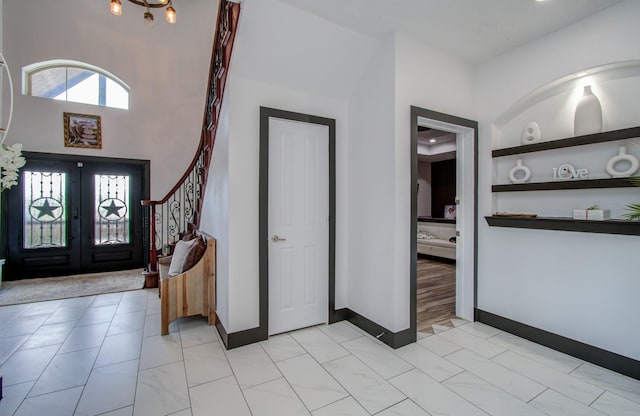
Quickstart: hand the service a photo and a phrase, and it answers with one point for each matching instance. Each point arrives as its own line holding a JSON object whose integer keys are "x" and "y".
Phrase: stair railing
{"x": 180, "y": 210}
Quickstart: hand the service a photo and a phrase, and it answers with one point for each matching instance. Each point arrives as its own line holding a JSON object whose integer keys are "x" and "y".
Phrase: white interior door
{"x": 298, "y": 224}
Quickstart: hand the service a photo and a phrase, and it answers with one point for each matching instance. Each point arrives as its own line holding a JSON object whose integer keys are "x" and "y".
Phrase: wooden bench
{"x": 192, "y": 292}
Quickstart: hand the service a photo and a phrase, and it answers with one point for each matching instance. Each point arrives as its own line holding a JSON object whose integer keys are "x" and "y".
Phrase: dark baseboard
{"x": 240, "y": 338}
{"x": 338, "y": 315}
{"x": 392, "y": 339}
{"x": 603, "y": 358}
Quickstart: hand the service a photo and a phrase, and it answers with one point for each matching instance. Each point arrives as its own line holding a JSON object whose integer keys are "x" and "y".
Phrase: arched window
{"x": 74, "y": 81}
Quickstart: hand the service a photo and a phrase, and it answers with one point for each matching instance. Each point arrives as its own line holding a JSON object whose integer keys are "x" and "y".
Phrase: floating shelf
{"x": 556, "y": 185}
{"x": 567, "y": 224}
{"x": 603, "y": 137}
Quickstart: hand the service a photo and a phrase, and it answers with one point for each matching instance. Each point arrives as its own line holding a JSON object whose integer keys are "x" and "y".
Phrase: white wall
{"x": 371, "y": 173}
{"x": 165, "y": 65}
{"x": 581, "y": 286}
{"x": 403, "y": 73}
{"x": 273, "y": 68}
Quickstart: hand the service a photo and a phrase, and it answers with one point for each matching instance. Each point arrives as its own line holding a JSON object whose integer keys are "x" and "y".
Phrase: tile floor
{"x": 103, "y": 355}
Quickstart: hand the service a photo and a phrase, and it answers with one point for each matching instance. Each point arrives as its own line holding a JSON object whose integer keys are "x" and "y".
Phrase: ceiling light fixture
{"x": 432, "y": 140}
{"x": 170, "y": 12}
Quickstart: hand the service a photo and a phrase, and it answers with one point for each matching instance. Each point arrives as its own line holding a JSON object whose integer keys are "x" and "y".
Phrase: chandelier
{"x": 170, "y": 12}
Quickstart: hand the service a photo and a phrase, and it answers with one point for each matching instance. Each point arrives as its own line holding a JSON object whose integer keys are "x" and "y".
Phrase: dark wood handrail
{"x": 181, "y": 207}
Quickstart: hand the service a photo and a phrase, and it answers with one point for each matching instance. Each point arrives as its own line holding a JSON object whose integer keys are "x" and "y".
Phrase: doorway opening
{"x": 436, "y": 229}
{"x": 456, "y": 264}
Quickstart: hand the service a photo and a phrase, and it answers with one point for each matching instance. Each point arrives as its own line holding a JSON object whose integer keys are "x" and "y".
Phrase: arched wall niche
{"x": 552, "y": 105}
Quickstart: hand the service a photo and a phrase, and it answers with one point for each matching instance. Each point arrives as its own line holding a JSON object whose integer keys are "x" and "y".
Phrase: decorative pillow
{"x": 185, "y": 255}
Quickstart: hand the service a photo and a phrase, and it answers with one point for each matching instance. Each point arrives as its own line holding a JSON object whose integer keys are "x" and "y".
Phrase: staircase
{"x": 180, "y": 210}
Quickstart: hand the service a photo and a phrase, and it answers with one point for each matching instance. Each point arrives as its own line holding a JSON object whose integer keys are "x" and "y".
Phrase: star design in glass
{"x": 112, "y": 209}
{"x": 46, "y": 209}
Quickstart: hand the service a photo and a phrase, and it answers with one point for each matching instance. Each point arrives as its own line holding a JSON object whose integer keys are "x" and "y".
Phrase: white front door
{"x": 298, "y": 224}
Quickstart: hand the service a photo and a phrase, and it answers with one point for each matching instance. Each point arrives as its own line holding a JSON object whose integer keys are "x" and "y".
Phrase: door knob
{"x": 275, "y": 238}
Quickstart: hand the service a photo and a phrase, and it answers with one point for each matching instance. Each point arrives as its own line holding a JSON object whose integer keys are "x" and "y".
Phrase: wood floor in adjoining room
{"x": 436, "y": 294}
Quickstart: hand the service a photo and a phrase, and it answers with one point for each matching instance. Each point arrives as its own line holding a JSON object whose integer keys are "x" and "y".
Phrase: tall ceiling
{"x": 474, "y": 30}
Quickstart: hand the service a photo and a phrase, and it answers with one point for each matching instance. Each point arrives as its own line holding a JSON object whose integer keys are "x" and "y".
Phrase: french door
{"x": 72, "y": 215}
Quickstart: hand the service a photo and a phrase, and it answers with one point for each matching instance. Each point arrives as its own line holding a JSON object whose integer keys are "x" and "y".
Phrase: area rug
{"x": 52, "y": 288}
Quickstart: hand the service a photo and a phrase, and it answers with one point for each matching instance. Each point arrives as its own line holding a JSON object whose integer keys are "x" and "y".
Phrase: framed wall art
{"x": 82, "y": 130}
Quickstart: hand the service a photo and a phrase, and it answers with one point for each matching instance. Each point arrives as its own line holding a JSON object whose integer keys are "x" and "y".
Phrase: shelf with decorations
{"x": 617, "y": 168}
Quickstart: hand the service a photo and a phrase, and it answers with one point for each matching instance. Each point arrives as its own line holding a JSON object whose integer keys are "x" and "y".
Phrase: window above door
{"x": 74, "y": 81}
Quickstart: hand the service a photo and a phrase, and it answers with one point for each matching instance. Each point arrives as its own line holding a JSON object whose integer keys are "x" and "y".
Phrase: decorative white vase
{"x": 531, "y": 133}
{"x": 519, "y": 173}
{"x": 588, "y": 115}
{"x": 623, "y": 157}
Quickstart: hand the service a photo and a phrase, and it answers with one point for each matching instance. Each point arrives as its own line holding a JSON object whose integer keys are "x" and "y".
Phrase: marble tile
{"x": 557, "y": 380}
{"x": 508, "y": 380}
{"x": 109, "y": 388}
{"x": 198, "y": 334}
{"x": 205, "y": 363}
{"x": 224, "y": 395}
{"x": 405, "y": 408}
{"x": 422, "y": 335}
{"x": 319, "y": 344}
{"x": 344, "y": 407}
{"x": 97, "y": 315}
{"x": 83, "y": 337}
{"x": 65, "y": 371}
{"x": 119, "y": 348}
{"x": 275, "y": 398}
{"x": 160, "y": 350}
{"x": 23, "y": 325}
{"x": 315, "y": 387}
{"x": 556, "y": 404}
{"x": 379, "y": 358}
{"x": 341, "y": 331}
{"x": 10, "y": 345}
{"x": 488, "y": 397}
{"x": 37, "y": 308}
{"x": 161, "y": 390}
{"x": 282, "y": 347}
{"x": 473, "y": 343}
{"x": 547, "y": 356}
{"x": 125, "y": 411}
{"x": 132, "y": 304}
{"x": 432, "y": 396}
{"x": 50, "y": 334}
{"x": 185, "y": 412}
{"x": 60, "y": 403}
{"x": 107, "y": 299}
{"x": 83, "y": 301}
{"x": 366, "y": 386}
{"x": 429, "y": 363}
{"x": 26, "y": 365}
{"x": 480, "y": 330}
{"x": 619, "y": 384}
{"x": 13, "y": 397}
{"x": 152, "y": 325}
{"x": 67, "y": 313}
{"x": 127, "y": 322}
{"x": 614, "y": 405}
{"x": 458, "y": 322}
{"x": 252, "y": 365}
{"x": 439, "y": 345}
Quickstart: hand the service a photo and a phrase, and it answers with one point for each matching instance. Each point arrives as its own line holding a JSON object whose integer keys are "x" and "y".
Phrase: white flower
{"x": 11, "y": 161}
